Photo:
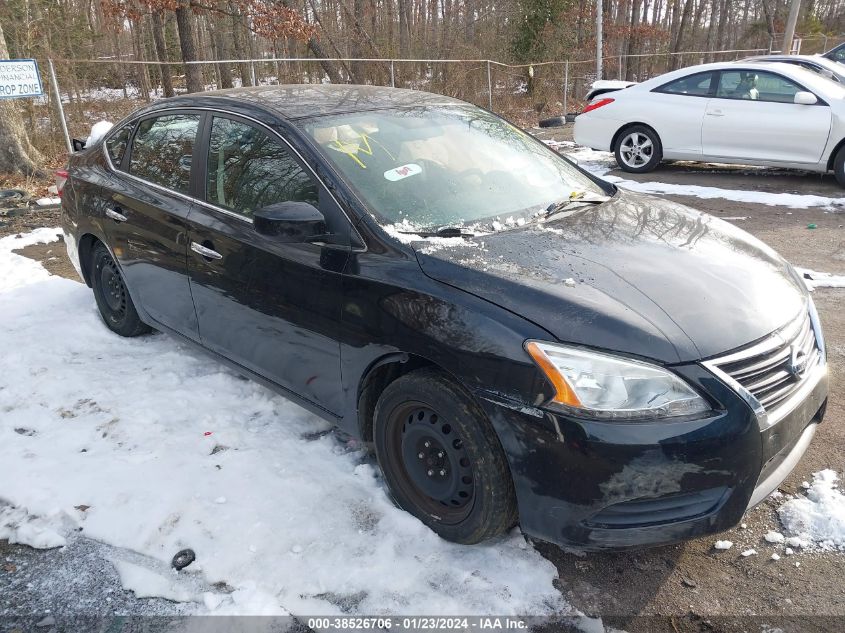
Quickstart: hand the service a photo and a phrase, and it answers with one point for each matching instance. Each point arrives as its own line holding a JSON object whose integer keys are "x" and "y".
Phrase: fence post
{"x": 392, "y": 75}
{"x": 565, "y": 88}
{"x": 55, "y": 83}
{"x": 252, "y": 72}
{"x": 489, "y": 88}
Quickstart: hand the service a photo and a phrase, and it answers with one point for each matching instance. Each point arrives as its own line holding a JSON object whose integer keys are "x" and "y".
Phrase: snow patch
{"x": 17, "y": 270}
{"x": 98, "y": 131}
{"x": 119, "y": 425}
{"x": 723, "y": 545}
{"x": 814, "y": 279}
{"x": 18, "y": 526}
{"x": 600, "y": 164}
{"x": 145, "y": 583}
{"x": 818, "y": 517}
{"x": 774, "y": 537}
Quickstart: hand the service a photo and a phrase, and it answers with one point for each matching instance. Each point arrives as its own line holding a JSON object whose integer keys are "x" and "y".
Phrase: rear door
{"x": 147, "y": 215}
{"x": 270, "y": 306}
{"x": 752, "y": 116}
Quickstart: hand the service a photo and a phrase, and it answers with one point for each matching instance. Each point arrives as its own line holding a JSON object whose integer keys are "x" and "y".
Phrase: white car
{"x": 770, "y": 114}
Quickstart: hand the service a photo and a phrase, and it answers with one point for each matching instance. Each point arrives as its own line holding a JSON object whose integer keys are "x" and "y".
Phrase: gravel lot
{"x": 689, "y": 587}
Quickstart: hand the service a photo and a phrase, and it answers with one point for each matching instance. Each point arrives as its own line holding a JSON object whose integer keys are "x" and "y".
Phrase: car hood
{"x": 637, "y": 274}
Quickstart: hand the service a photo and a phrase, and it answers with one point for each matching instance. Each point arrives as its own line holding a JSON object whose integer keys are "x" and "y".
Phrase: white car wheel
{"x": 638, "y": 149}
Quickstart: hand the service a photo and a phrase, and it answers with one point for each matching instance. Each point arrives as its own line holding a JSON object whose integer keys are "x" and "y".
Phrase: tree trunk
{"x": 316, "y": 48}
{"x": 679, "y": 38}
{"x": 193, "y": 72}
{"x": 161, "y": 53}
{"x": 17, "y": 155}
{"x": 224, "y": 70}
{"x": 404, "y": 28}
{"x": 238, "y": 45}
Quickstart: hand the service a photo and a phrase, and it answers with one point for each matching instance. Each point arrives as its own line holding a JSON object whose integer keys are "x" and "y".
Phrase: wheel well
{"x": 622, "y": 129}
{"x": 86, "y": 245}
{"x": 833, "y": 154}
{"x": 375, "y": 381}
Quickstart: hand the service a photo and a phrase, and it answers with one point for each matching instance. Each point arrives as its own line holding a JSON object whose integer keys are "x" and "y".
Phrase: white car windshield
{"x": 433, "y": 167}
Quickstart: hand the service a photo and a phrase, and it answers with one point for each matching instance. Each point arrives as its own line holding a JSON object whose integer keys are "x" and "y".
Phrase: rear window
{"x": 116, "y": 144}
{"x": 697, "y": 85}
{"x": 163, "y": 149}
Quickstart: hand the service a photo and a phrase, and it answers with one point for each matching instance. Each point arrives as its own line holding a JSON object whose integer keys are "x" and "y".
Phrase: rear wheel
{"x": 441, "y": 459}
{"x": 839, "y": 166}
{"x": 111, "y": 295}
{"x": 638, "y": 149}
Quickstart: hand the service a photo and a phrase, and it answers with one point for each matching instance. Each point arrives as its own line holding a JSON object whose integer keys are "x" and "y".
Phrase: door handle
{"x": 716, "y": 113}
{"x": 205, "y": 251}
{"x": 114, "y": 215}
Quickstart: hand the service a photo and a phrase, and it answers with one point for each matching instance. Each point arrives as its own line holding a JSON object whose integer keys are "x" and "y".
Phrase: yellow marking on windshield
{"x": 350, "y": 151}
{"x": 352, "y": 148}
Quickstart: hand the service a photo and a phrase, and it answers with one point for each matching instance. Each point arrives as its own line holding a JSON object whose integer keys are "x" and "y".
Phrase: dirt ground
{"x": 693, "y": 587}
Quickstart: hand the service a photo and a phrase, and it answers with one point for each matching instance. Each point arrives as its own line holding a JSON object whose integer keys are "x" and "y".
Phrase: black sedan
{"x": 520, "y": 341}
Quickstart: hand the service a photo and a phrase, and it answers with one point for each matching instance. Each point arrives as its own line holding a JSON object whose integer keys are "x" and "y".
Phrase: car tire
{"x": 555, "y": 121}
{"x": 839, "y": 167}
{"x": 112, "y": 297}
{"x": 638, "y": 149}
{"x": 441, "y": 458}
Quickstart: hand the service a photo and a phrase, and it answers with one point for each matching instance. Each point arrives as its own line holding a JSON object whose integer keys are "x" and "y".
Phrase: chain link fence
{"x": 108, "y": 89}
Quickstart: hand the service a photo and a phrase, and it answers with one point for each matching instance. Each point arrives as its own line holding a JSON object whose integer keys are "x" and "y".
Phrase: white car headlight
{"x": 609, "y": 387}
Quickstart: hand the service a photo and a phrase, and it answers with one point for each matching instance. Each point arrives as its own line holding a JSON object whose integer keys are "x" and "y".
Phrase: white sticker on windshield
{"x": 404, "y": 171}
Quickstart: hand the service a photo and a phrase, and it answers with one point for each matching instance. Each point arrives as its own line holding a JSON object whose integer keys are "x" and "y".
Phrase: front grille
{"x": 775, "y": 369}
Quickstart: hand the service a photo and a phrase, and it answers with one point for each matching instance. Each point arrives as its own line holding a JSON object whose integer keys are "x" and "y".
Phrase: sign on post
{"x": 19, "y": 78}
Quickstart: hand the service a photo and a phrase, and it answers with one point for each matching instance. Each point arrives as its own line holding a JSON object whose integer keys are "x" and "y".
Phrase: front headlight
{"x": 609, "y": 387}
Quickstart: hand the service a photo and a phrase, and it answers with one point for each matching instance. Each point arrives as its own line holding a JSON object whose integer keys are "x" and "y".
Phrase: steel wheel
{"x": 114, "y": 290}
{"x": 112, "y": 296}
{"x": 435, "y": 469}
{"x": 441, "y": 458}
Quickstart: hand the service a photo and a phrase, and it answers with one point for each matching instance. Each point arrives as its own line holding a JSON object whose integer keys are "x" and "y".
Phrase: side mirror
{"x": 290, "y": 221}
{"x": 805, "y": 98}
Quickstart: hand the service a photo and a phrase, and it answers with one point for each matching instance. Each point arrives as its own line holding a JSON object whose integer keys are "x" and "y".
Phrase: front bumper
{"x": 592, "y": 485}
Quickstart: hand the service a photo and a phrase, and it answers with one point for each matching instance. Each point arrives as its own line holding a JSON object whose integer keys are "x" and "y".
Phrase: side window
{"x": 163, "y": 148}
{"x": 248, "y": 169}
{"x": 756, "y": 86}
{"x": 116, "y": 144}
{"x": 839, "y": 54}
{"x": 697, "y": 85}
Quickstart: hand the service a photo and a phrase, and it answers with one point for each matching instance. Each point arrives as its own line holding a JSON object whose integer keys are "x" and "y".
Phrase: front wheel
{"x": 112, "y": 297}
{"x": 638, "y": 149}
{"x": 441, "y": 459}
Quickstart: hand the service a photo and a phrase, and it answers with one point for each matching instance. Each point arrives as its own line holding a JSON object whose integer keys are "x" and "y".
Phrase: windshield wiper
{"x": 446, "y": 231}
{"x": 576, "y": 200}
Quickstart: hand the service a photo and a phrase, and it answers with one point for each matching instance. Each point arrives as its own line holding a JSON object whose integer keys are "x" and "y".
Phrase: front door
{"x": 146, "y": 216}
{"x": 270, "y": 306}
{"x": 753, "y": 117}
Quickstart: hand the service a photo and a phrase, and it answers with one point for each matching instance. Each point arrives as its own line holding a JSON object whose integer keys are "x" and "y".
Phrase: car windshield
{"x": 435, "y": 167}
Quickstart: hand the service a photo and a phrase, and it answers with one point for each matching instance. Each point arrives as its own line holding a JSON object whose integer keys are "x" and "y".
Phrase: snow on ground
{"x": 148, "y": 445}
{"x": 814, "y": 279}
{"x": 817, "y": 517}
{"x": 600, "y": 163}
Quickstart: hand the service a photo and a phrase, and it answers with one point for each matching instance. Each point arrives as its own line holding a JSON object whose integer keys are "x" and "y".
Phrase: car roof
{"x": 793, "y": 71}
{"x": 296, "y": 101}
{"x": 780, "y": 58}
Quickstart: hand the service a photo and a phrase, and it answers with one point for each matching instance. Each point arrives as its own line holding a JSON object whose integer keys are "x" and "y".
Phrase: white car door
{"x": 752, "y": 116}
{"x": 677, "y": 111}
